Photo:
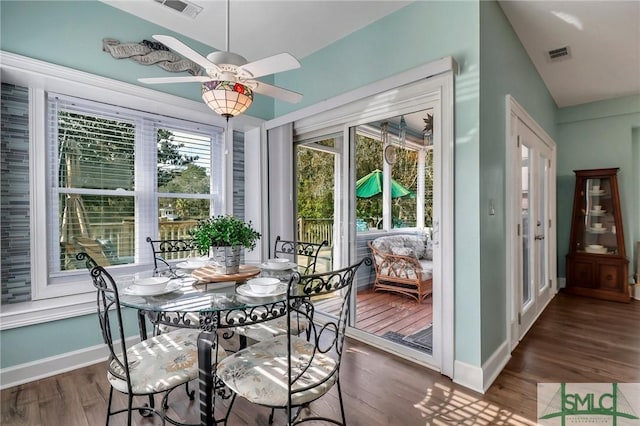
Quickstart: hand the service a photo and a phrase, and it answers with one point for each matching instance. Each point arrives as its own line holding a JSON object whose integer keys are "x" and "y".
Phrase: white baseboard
{"x": 494, "y": 365}
{"x": 47, "y": 367}
{"x": 467, "y": 375}
{"x": 480, "y": 379}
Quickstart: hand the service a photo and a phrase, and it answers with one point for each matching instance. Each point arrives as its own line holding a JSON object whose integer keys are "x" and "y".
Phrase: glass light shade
{"x": 226, "y": 97}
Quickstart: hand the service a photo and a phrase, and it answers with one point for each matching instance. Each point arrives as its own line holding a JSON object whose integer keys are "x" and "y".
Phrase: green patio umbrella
{"x": 371, "y": 185}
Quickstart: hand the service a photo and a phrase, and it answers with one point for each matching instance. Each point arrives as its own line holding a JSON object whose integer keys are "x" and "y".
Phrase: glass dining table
{"x": 211, "y": 307}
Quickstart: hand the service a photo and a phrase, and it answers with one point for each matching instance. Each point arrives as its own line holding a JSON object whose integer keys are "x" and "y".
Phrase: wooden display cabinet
{"x": 597, "y": 265}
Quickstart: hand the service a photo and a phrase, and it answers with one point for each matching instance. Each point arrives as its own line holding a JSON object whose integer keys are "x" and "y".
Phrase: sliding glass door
{"x": 393, "y": 163}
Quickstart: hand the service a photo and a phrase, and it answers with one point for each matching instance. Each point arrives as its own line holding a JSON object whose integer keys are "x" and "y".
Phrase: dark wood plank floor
{"x": 576, "y": 339}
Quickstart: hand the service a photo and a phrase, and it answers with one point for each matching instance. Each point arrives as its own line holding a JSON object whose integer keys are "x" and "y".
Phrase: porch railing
{"x": 315, "y": 230}
{"x": 121, "y": 234}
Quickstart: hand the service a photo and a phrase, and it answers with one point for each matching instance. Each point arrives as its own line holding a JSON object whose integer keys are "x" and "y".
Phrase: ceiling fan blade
{"x": 181, "y": 48}
{"x": 269, "y": 65}
{"x": 162, "y": 80}
{"x": 277, "y": 92}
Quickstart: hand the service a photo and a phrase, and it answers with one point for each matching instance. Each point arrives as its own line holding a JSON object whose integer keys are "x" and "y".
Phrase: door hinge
{"x": 550, "y": 282}
{"x": 549, "y": 223}
{"x": 519, "y": 318}
{"x": 518, "y": 141}
{"x": 518, "y": 230}
{"x": 549, "y": 163}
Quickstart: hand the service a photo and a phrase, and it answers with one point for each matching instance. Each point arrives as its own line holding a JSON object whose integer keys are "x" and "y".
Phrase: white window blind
{"x": 118, "y": 175}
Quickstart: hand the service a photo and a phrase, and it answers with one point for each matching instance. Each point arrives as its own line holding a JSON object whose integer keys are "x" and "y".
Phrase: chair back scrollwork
{"x": 165, "y": 250}
{"x": 327, "y": 338}
{"x": 303, "y": 253}
{"x": 111, "y": 322}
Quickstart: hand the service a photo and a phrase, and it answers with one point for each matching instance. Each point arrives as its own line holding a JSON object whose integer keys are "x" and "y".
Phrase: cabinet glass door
{"x": 598, "y": 231}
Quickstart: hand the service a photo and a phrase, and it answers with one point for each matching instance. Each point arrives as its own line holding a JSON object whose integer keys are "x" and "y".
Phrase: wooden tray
{"x": 208, "y": 274}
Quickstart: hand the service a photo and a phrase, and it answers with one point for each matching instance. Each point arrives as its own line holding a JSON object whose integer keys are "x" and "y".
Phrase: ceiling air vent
{"x": 184, "y": 7}
{"x": 559, "y": 54}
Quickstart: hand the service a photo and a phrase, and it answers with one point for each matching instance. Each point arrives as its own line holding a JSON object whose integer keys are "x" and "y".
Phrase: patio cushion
{"x": 161, "y": 363}
{"x": 259, "y": 372}
{"x": 389, "y": 243}
{"x": 427, "y": 269}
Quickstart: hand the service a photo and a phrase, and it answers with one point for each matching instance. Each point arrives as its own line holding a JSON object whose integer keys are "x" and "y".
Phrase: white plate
{"x": 598, "y": 230}
{"x": 278, "y": 266}
{"x": 598, "y": 212}
{"x": 135, "y": 290}
{"x": 599, "y": 192}
{"x": 193, "y": 264}
{"x": 151, "y": 281}
{"x": 245, "y": 290}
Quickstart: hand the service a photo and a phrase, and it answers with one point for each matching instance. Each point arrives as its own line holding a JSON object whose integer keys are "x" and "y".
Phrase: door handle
{"x": 539, "y": 237}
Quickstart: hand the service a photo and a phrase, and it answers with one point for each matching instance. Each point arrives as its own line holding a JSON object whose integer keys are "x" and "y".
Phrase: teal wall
{"x": 27, "y": 344}
{"x": 505, "y": 68}
{"x": 70, "y": 33}
{"x": 414, "y": 35}
{"x": 595, "y": 136}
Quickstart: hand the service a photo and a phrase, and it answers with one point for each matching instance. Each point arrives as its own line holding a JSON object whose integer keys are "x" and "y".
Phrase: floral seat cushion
{"x": 259, "y": 372}
{"x": 273, "y": 328}
{"x": 161, "y": 363}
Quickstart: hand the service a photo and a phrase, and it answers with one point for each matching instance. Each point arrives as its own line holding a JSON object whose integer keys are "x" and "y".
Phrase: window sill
{"x": 42, "y": 311}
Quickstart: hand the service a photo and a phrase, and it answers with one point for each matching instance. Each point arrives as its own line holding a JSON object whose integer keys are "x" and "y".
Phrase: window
{"x": 119, "y": 175}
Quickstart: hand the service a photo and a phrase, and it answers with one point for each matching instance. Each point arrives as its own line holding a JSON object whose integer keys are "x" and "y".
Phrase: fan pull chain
{"x": 227, "y": 26}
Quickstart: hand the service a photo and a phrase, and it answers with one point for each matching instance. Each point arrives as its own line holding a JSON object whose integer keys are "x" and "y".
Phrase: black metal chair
{"x": 289, "y": 371}
{"x": 299, "y": 251}
{"x": 165, "y": 250}
{"x": 154, "y": 366}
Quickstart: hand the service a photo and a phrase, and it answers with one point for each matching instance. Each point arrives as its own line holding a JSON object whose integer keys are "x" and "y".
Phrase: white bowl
{"x": 278, "y": 261}
{"x": 263, "y": 285}
{"x": 595, "y": 246}
{"x": 597, "y": 250}
{"x": 151, "y": 283}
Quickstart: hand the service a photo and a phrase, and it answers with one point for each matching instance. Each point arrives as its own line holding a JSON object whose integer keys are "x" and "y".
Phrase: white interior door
{"x": 535, "y": 226}
{"x": 531, "y": 221}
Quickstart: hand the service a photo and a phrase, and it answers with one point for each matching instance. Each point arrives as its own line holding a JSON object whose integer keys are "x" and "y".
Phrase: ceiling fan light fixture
{"x": 227, "y": 98}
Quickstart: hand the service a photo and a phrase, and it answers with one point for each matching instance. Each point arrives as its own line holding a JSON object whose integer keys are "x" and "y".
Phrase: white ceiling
{"x": 603, "y": 39}
{"x": 261, "y": 28}
{"x": 603, "y": 36}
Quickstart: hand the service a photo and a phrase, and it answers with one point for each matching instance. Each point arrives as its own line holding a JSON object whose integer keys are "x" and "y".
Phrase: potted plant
{"x": 222, "y": 237}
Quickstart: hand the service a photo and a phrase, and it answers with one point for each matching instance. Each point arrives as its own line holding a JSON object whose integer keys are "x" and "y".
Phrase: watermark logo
{"x": 563, "y": 404}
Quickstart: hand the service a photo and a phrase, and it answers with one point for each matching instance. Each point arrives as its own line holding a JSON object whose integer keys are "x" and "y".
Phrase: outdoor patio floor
{"x": 379, "y": 312}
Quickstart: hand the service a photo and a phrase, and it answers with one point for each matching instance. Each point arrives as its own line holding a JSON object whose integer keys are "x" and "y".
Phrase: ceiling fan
{"x": 230, "y": 79}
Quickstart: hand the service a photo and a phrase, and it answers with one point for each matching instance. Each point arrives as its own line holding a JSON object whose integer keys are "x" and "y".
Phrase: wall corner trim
{"x": 467, "y": 375}
{"x": 480, "y": 379}
{"x": 494, "y": 365}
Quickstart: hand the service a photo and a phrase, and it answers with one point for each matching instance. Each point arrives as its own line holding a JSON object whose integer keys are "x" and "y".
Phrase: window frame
{"x": 40, "y": 77}
{"x": 144, "y": 192}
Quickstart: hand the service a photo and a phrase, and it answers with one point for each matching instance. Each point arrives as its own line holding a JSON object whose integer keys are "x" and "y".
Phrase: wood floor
{"x": 575, "y": 340}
